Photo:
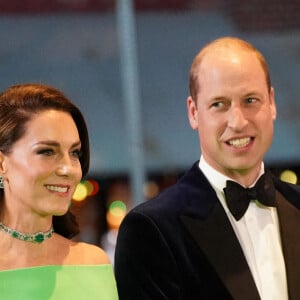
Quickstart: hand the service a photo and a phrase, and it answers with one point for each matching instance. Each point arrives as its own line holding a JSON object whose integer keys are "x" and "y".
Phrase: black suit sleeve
{"x": 144, "y": 266}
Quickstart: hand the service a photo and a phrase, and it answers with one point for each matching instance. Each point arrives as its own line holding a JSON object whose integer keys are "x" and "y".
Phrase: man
{"x": 186, "y": 243}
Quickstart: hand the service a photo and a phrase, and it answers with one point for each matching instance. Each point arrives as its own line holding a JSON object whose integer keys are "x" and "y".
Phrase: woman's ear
{"x": 2, "y": 163}
{"x": 192, "y": 112}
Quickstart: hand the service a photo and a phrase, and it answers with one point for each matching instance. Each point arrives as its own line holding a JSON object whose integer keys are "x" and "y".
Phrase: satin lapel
{"x": 289, "y": 219}
{"x": 217, "y": 240}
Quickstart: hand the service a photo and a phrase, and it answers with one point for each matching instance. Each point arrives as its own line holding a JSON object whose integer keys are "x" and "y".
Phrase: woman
{"x": 44, "y": 152}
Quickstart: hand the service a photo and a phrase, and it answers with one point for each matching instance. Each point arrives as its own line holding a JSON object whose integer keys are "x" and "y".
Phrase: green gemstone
{"x": 36, "y": 238}
{"x": 15, "y": 234}
{"x": 39, "y": 238}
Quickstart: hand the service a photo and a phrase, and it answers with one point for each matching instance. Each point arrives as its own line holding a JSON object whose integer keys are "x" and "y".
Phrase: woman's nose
{"x": 64, "y": 167}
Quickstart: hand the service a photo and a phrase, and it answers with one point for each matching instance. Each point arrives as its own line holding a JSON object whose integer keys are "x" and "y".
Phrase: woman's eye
{"x": 76, "y": 153}
{"x": 46, "y": 152}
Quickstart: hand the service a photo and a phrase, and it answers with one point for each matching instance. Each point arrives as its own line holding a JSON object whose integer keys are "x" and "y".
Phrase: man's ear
{"x": 272, "y": 103}
{"x": 192, "y": 112}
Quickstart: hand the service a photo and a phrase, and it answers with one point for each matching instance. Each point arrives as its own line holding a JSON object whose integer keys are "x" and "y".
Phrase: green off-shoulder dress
{"x": 74, "y": 282}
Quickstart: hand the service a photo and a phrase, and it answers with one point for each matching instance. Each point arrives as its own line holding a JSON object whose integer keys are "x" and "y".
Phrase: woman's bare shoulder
{"x": 88, "y": 253}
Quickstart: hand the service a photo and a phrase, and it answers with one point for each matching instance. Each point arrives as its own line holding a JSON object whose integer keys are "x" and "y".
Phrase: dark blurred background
{"x": 76, "y": 46}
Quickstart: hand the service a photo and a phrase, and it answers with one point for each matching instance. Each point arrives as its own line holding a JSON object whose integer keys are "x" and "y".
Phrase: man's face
{"x": 234, "y": 113}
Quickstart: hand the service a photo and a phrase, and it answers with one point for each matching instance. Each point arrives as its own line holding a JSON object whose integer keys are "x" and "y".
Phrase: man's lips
{"x": 240, "y": 142}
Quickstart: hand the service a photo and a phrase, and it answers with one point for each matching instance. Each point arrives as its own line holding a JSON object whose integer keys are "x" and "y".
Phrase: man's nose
{"x": 236, "y": 118}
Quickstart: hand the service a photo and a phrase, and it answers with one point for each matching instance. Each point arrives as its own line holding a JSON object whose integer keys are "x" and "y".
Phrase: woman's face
{"x": 42, "y": 169}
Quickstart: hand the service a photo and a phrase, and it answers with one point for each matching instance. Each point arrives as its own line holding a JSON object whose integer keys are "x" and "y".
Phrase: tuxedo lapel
{"x": 207, "y": 223}
{"x": 217, "y": 240}
{"x": 289, "y": 220}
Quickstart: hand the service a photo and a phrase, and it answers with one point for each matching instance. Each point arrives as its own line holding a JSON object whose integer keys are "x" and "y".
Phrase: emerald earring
{"x": 1, "y": 182}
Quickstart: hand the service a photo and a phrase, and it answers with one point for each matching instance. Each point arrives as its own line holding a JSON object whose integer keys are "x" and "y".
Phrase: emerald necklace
{"x": 37, "y": 237}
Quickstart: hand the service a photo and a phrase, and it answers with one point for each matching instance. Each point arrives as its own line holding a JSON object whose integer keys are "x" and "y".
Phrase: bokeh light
{"x": 81, "y": 192}
{"x": 93, "y": 186}
{"x": 86, "y": 188}
{"x": 151, "y": 189}
{"x": 115, "y": 214}
{"x": 89, "y": 186}
{"x": 289, "y": 176}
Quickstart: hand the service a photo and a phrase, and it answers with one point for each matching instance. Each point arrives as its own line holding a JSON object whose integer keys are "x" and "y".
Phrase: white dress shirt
{"x": 259, "y": 237}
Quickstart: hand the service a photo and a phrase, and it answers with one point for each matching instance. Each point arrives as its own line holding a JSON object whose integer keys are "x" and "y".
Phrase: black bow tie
{"x": 238, "y": 197}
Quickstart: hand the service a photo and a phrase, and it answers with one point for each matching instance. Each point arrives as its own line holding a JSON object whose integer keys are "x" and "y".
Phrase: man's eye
{"x": 217, "y": 104}
{"x": 251, "y": 100}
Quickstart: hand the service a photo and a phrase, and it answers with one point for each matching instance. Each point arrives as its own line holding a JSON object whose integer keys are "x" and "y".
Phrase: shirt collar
{"x": 217, "y": 179}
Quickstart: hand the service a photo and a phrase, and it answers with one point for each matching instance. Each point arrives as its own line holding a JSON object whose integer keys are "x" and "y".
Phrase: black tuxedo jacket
{"x": 181, "y": 245}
